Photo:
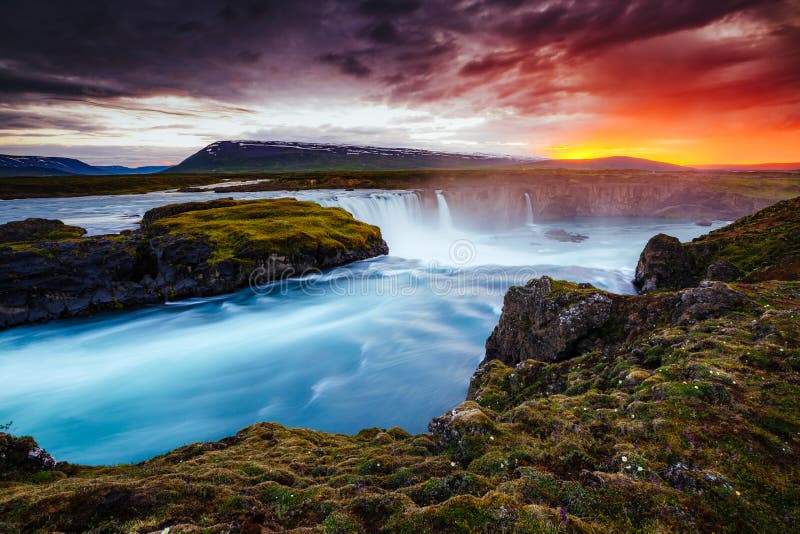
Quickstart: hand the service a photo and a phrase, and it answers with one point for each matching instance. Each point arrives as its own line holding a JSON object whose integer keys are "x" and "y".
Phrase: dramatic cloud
{"x": 681, "y": 80}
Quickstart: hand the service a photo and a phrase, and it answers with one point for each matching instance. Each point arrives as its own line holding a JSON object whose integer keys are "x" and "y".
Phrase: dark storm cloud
{"x": 14, "y": 120}
{"x": 15, "y": 82}
{"x": 348, "y": 64}
{"x": 404, "y": 50}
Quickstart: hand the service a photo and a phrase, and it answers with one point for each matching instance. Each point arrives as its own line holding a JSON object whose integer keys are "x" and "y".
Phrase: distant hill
{"x": 283, "y": 156}
{"x": 48, "y": 166}
{"x": 609, "y": 163}
{"x": 751, "y": 167}
{"x": 119, "y": 169}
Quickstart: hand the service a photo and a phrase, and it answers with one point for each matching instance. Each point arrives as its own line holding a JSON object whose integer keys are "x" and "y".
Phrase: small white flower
{"x": 624, "y": 458}
{"x": 491, "y": 438}
{"x": 640, "y": 468}
{"x": 696, "y": 387}
{"x": 633, "y": 416}
{"x": 452, "y": 464}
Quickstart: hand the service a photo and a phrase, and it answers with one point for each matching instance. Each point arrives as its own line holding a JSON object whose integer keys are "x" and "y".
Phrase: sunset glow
{"x": 684, "y": 82}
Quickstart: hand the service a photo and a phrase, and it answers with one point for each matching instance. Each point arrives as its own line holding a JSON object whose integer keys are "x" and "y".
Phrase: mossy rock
{"x": 258, "y": 229}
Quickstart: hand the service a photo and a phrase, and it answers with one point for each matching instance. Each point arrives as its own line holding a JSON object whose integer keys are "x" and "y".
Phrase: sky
{"x": 152, "y": 81}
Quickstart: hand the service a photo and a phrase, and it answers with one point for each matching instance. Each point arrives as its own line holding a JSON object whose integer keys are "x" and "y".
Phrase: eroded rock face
{"x": 547, "y": 321}
{"x": 51, "y": 279}
{"x": 663, "y": 264}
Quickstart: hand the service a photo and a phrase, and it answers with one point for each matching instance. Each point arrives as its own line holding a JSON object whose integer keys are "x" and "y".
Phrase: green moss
{"x": 252, "y": 229}
{"x": 765, "y": 245}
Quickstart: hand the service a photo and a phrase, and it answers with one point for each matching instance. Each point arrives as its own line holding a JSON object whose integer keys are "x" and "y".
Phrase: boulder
{"x": 547, "y": 320}
{"x": 723, "y": 271}
{"x": 710, "y": 299}
{"x": 22, "y": 456}
{"x": 663, "y": 264}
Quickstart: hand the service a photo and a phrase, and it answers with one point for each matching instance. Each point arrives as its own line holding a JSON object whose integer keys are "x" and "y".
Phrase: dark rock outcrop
{"x": 663, "y": 263}
{"x": 47, "y": 279}
{"x": 22, "y": 456}
{"x": 723, "y": 271}
{"x": 550, "y": 321}
{"x": 547, "y": 320}
{"x": 761, "y": 246}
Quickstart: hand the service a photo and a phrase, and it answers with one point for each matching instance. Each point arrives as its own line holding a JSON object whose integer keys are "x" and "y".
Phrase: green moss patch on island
{"x": 31, "y": 230}
{"x": 250, "y": 229}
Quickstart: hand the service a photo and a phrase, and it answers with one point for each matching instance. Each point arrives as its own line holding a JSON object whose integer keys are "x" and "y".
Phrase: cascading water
{"x": 528, "y": 210}
{"x": 445, "y": 219}
{"x": 389, "y": 341}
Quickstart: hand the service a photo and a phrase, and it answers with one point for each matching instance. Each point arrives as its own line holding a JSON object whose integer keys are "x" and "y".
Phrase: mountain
{"x": 609, "y": 163}
{"x": 283, "y": 156}
{"x": 48, "y": 166}
{"x": 751, "y": 167}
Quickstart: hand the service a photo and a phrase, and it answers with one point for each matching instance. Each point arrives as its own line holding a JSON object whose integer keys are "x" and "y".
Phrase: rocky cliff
{"x": 674, "y": 411}
{"x": 47, "y": 270}
{"x": 762, "y": 246}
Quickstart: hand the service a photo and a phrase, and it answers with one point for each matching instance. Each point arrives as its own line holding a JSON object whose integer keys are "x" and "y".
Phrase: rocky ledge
{"x": 675, "y": 411}
{"x": 47, "y": 270}
{"x": 762, "y": 246}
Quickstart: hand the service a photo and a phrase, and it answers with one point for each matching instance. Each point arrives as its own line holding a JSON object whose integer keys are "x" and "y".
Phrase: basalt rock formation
{"x": 673, "y": 411}
{"x": 47, "y": 270}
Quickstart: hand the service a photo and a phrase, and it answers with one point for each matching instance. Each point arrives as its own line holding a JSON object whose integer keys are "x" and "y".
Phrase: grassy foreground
{"x": 657, "y": 422}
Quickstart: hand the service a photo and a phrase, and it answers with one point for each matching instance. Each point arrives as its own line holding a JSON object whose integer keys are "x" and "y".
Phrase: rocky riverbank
{"x": 761, "y": 246}
{"x": 672, "y": 411}
{"x": 48, "y": 270}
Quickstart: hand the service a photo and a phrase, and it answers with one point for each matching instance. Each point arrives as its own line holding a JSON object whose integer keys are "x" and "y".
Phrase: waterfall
{"x": 390, "y": 211}
{"x": 397, "y": 213}
{"x": 445, "y": 220}
{"x": 528, "y": 210}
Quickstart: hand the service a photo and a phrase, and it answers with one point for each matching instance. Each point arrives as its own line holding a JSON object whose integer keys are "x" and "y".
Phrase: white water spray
{"x": 528, "y": 210}
{"x": 445, "y": 219}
